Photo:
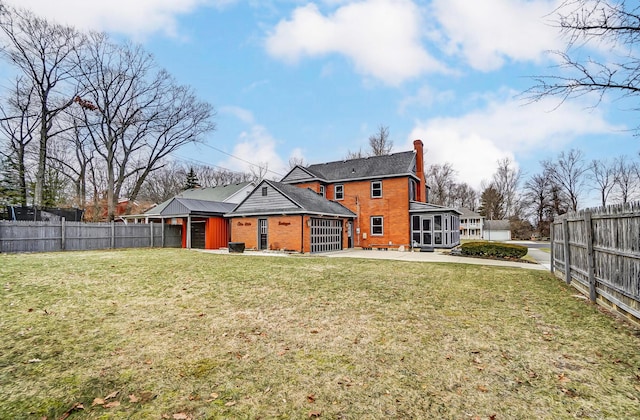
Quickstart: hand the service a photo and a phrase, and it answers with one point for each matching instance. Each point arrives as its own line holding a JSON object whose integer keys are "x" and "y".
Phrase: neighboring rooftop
{"x": 466, "y": 213}
{"x": 497, "y": 225}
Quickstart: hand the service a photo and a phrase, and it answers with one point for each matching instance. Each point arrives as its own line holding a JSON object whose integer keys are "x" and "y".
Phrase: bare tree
{"x": 213, "y": 177}
{"x": 45, "y": 54}
{"x": 625, "y": 178}
{"x": 163, "y": 183}
{"x": 19, "y": 124}
{"x": 506, "y": 181}
{"x": 259, "y": 171}
{"x": 568, "y": 172}
{"x": 296, "y": 161}
{"x": 138, "y": 115}
{"x": 537, "y": 197}
{"x": 602, "y": 173}
{"x": 380, "y": 143}
{"x": 615, "y": 27}
{"x": 355, "y": 155}
{"x": 441, "y": 179}
{"x": 463, "y": 195}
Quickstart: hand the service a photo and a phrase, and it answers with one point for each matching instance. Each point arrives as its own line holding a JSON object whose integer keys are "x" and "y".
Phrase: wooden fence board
{"x": 16, "y": 236}
{"x": 602, "y": 247}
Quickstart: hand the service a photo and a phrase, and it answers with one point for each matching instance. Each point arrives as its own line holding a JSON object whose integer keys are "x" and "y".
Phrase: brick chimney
{"x": 421, "y": 193}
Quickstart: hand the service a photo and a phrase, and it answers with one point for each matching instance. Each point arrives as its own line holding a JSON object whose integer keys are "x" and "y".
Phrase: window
{"x": 339, "y": 192}
{"x": 376, "y": 189}
{"x": 377, "y": 226}
{"x": 321, "y": 191}
{"x": 413, "y": 188}
{"x": 264, "y": 191}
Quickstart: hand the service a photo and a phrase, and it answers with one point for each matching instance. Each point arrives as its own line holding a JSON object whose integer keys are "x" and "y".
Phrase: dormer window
{"x": 376, "y": 189}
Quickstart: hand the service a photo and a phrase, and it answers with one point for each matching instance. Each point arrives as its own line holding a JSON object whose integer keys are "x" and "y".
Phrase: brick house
{"x": 386, "y": 197}
{"x": 277, "y": 216}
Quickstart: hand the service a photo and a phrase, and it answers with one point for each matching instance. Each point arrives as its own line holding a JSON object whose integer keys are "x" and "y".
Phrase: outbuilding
{"x": 496, "y": 230}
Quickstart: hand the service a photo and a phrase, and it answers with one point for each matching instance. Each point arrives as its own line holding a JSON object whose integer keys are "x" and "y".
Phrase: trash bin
{"x": 236, "y": 247}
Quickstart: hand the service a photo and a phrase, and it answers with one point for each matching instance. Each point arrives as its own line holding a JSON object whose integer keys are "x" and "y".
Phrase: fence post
{"x": 591, "y": 266}
{"x": 63, "y": 234}
{"x": 162, "y": 232}
{"x": 553, "y": 255}
{"x": 113, "y": 234}
{"x": 151, "y": 229}
{"x": 567, "y": 251}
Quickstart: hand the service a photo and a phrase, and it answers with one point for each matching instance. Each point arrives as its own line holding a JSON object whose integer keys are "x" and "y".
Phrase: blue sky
{"x": 314, "y": 79}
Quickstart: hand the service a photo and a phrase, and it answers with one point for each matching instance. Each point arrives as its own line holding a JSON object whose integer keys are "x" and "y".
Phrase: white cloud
{"x": 426, "y": 96}
{"x": 381, "y": 37}
{"x": 486, "y": 33}
{"x": 254, "y": 148}
{"x": 136, "y": 18}
{"x": 504, "y": 128}
{"x": 242, "y": 114}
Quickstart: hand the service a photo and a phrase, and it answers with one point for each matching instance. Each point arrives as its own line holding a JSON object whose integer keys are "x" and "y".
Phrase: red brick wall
{"x": 245, "y": 229}
{"x": 284, "y": 232}
{"x": 393, "y": 206}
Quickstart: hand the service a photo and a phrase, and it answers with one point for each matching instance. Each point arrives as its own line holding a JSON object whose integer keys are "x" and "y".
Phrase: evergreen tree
{"x": 491, "y": 204}
{"x": 9, "y": 184}
{"x": 192, "y": 180}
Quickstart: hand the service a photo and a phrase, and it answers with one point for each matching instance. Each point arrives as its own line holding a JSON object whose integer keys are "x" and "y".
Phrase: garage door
{"x": 326, "y": 235}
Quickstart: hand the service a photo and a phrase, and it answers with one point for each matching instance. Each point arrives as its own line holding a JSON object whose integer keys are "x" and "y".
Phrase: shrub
{"x": 493, "y": 249}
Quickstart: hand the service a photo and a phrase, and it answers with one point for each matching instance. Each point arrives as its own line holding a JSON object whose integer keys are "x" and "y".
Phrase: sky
{"x": 315, "y": 79}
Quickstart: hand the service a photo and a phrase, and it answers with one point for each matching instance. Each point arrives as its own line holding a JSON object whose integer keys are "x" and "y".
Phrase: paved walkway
{"x": 436, "y": 256}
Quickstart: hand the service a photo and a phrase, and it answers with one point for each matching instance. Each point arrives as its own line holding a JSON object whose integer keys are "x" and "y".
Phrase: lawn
{"x": 181, "y": 334}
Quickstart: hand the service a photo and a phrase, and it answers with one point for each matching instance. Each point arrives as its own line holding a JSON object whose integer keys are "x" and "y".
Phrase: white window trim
{"x": 376, "y": 182}
{"x": 335, "y": 192}
{"x": 381, "y": 225}
{"x": 321, "y": 190}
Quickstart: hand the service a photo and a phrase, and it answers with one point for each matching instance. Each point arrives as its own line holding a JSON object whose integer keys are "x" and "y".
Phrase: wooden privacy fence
{"x": 598, "y": 252}
{"x": 79, "y": 236}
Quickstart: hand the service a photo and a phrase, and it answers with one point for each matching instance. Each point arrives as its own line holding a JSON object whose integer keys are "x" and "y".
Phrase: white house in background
{"x": 471, "y": 224}
{"x": 496, "y": 230}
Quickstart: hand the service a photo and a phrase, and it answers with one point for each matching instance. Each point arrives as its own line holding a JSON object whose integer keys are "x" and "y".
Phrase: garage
{"x": 326, "y": 235}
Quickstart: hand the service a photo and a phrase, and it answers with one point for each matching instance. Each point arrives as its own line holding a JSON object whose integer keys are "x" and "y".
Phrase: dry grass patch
{"x": 185, "y": 334}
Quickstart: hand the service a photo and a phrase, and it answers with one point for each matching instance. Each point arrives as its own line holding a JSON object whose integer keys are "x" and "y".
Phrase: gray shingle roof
{"x": 497, "y": 225}
{"x": 401, "y": 163}
{"x": 469, "y": 213}
{"x": 180, "y": 206}
{"x": 219, "y": 193}
{"x": 306, "y": 201}
{"x": 417, "y": 207}
{"x": 309, "y": 200}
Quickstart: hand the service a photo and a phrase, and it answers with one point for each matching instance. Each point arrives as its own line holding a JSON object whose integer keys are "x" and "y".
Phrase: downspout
{"x": 358, "y": 216}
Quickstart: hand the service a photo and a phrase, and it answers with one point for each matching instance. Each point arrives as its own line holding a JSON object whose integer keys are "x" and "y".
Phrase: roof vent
{"x": 353, "y": 170}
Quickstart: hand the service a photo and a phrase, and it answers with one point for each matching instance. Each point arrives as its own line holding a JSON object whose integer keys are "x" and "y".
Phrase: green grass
{"x": 184, "y": 334}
